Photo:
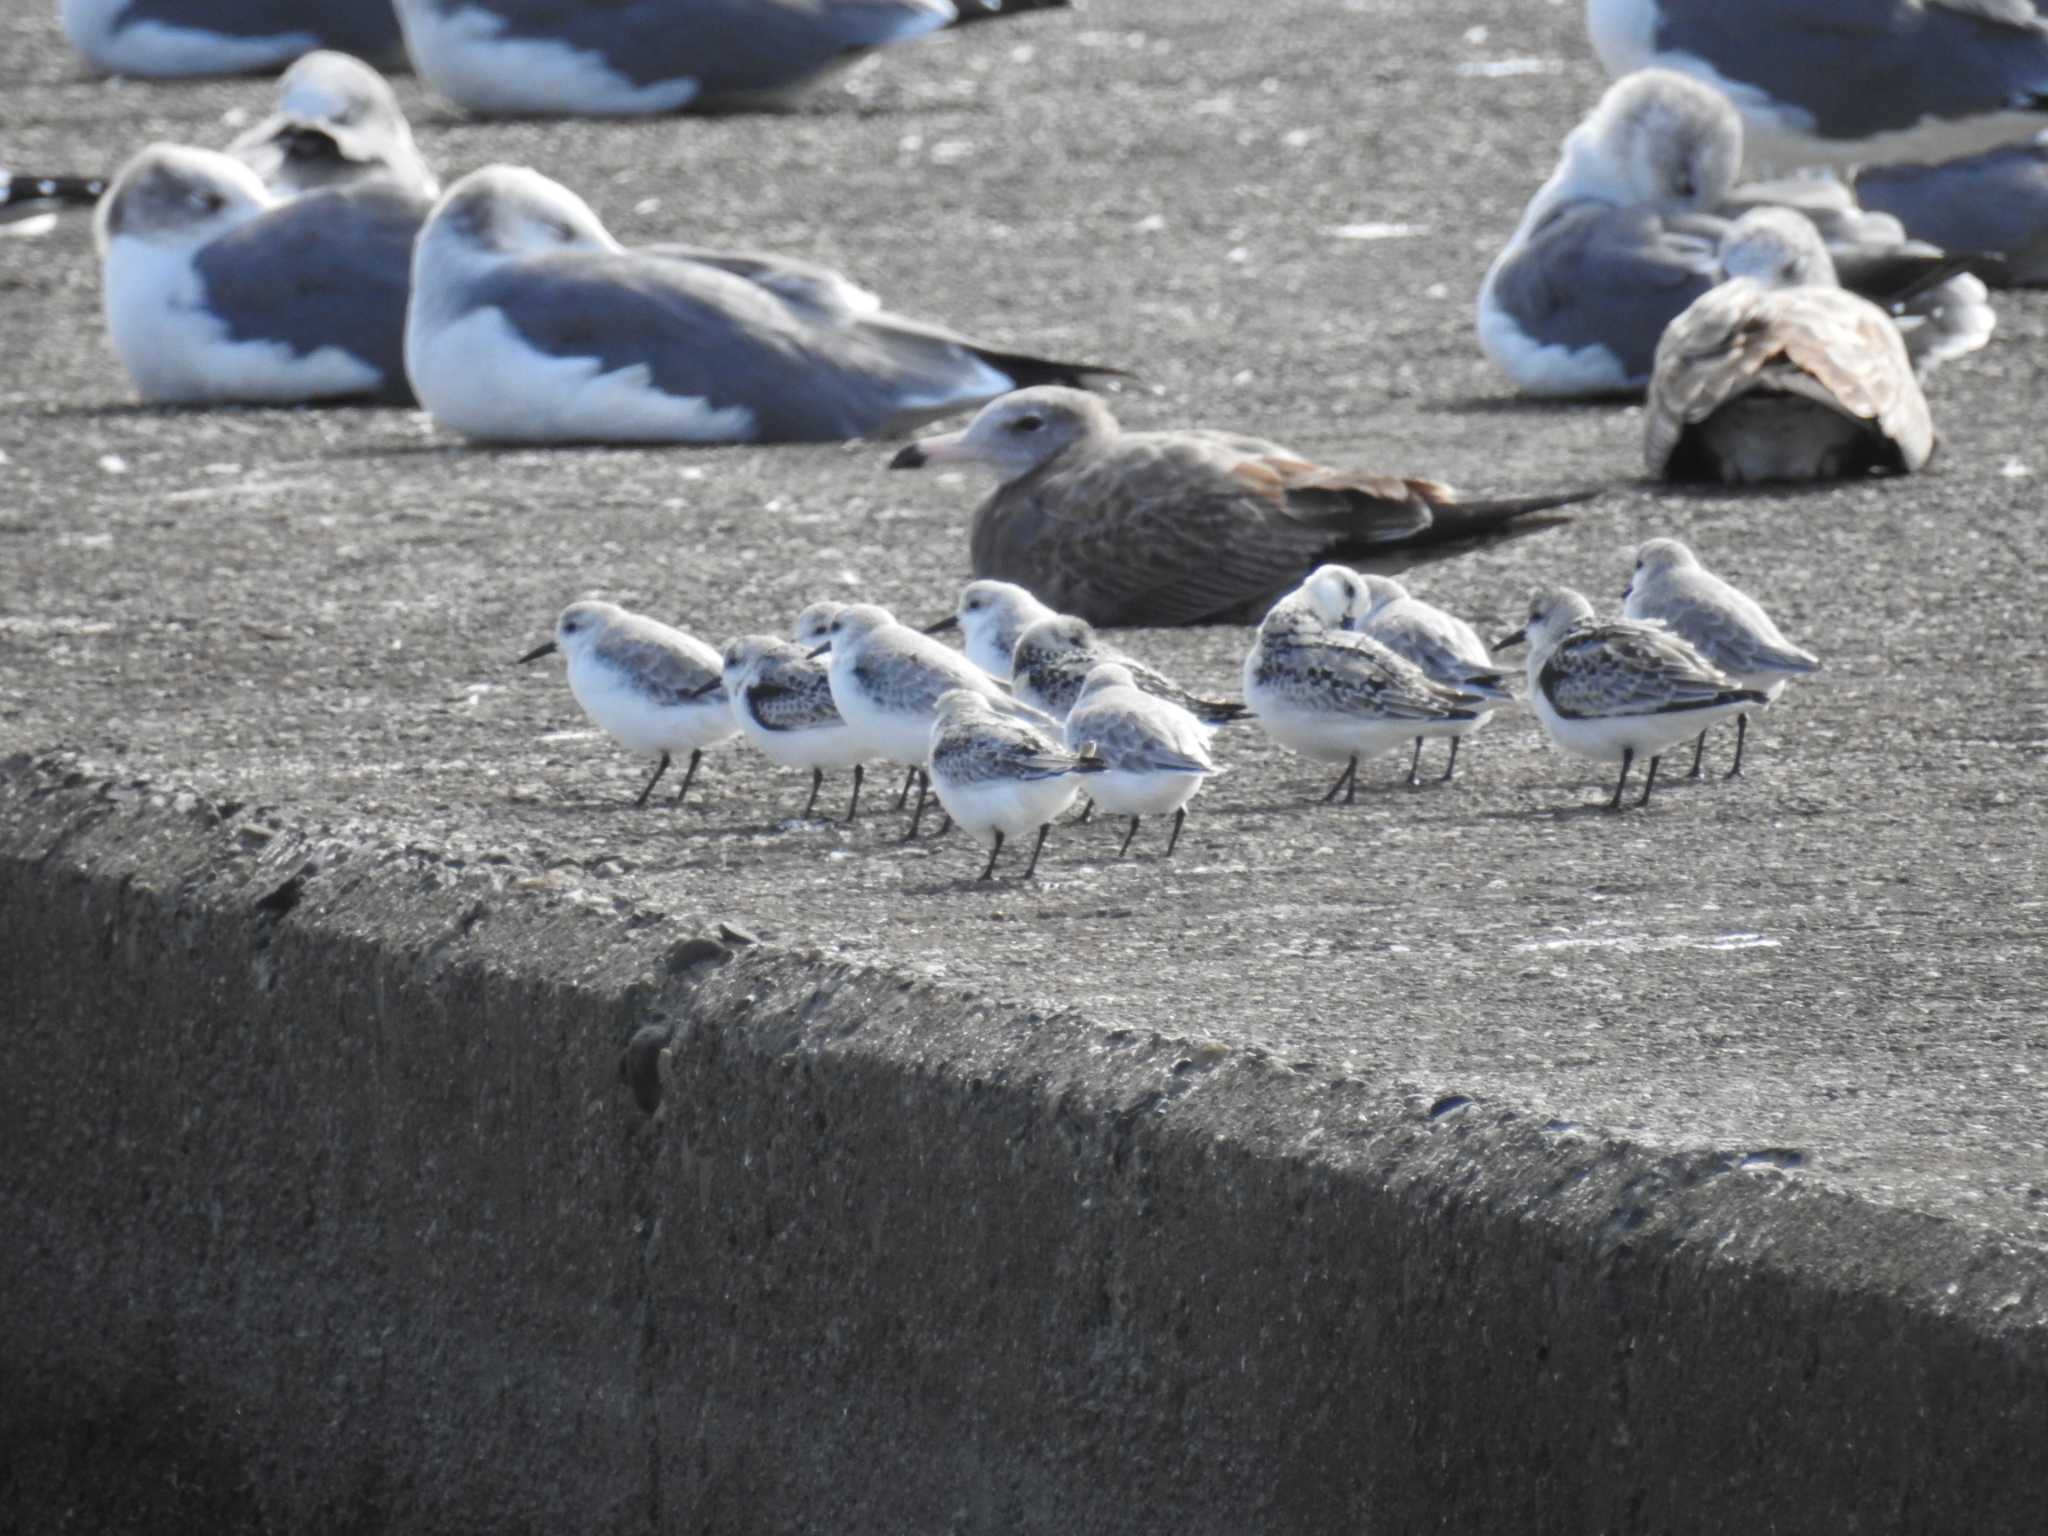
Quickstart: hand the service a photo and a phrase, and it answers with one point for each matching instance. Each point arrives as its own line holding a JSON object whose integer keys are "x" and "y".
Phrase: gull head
{"x": 1776, "y": 248}
{"x": 1017, "y": 433}
{"x": 508, "y": 211}
{"x": 337, "y": 117}
{"x": 1553, "y": 612}
{"x": 176, "y": 196}
{"x": 1658, "y": 139}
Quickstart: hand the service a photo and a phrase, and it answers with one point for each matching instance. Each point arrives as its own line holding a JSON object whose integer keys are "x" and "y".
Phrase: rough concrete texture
{"x": 341, "y": 1215}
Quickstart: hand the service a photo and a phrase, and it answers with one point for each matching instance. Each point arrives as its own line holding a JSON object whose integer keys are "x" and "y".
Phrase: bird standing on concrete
{"x": 998, "y": 775}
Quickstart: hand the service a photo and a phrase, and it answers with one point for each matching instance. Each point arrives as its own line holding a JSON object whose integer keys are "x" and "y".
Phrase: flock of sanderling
{"x": 1037, "y": 707}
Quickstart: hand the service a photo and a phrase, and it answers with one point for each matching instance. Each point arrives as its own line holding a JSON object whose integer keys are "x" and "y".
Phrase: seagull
{"x": 1778, "y": 374}
{"x": 887, "y": 679}
{"x": 991, "y": 617}
{"x": 1618, "y": 690}
{"x": 216, "y": 291}
{"x": 531, "y": 324}
{"x": 1186, "y": 527}
{"x": 782, "y": 700}
{"x": 337, "y": 120}
{"x": 643, "y": 684}
{"x": 628, "y": 57}
{"x": 1157, "y": 754}
{"x": 1994, "y": 201}
{"x": 1626, "y": 233}
{"x": 222, "y": 37}
{"x": 1055, "y": 656}
{"x": 1443, "y": 645}
{"x": 999, "y": 776}
{"x": 1835, "y": 81}
{"x": 1337, "y": 696}
{"x": 1719, "y": 620}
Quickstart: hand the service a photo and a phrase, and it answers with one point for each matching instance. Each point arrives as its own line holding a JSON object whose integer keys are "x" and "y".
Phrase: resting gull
{"x": 530, "y": 323}
{"x": 641, "y": 56}
{"x": 1778, "y": 374}
{"x": 1846, "y": 80}
{"x": 1183, "y": 527}
{"x": 222, "y": 37}
{"x": 1996, "y": 200}
{"x": 337, "y": 120}
{"x": 215, "y": 291}
{"x": 1625, "y": 233}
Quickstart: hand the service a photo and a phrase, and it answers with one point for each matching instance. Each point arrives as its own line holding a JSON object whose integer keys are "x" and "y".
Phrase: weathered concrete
{"x": 398, "y": 1091}
{"x": 331, "y": 1212}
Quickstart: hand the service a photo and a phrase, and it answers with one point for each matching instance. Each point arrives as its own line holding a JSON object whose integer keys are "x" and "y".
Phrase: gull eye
{"x": 1030, "y": 422}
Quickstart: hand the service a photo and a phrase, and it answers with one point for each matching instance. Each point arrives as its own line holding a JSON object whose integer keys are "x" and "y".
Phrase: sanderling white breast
{"x": 1720, "y": 621}
{"x": 1615, "y": 690}
{"x": 1053, "y": 658}
{"x": 1157, "y": 753}
{"x": 990, "y": 618}
{"x": 643, "y": 684}
{"x": 886, "y": 679}
{"x": 1337, "y": 696}
{"x": 782, "y": 699}
{"x": 999, "y": 776}
{"x": 1442, "y": 644}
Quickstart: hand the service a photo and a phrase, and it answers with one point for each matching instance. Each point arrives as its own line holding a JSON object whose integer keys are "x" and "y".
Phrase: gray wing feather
{"x": 1628, "y": 669}
{"x": 666, "y": 673}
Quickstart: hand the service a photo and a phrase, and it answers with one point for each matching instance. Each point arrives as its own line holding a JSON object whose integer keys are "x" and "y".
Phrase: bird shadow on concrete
{"x": 1526, "y": 405}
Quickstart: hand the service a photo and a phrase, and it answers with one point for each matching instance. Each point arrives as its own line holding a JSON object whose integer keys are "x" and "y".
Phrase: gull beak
{"x": 943, "y": 626}
{"x": 536, "y": 653}
{"x": 821, "y": 650}
{"x": 1509, "y": 642}
{"x": 909, "y": 456}
{"x": 946, "y": 448}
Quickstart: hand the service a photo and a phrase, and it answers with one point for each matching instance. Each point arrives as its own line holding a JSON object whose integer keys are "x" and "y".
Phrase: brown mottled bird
{"x": 1779, "y": 374}
{"x": 1186, "y": 527}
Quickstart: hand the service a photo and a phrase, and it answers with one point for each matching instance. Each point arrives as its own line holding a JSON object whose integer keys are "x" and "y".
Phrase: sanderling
{"x": 990, "y": 618}
{"x": 1158, "y": 753}
{"x": 1780, "y": 374}
{"x": 886, "y": 679}
{"x": 1053, "y": 657}
{"x": 1182, "y": 527}
{"x": 1442, "y": 644}
{"x": 1723, "y": 623}
{"x": 1616, "y": 690}
{"x": 215, "y": 290}
{"x": 997, "y": 775}
{"x": 782, "y": 700}
{"x": 643, "y": 684}
{"x": 1338, "y": 697}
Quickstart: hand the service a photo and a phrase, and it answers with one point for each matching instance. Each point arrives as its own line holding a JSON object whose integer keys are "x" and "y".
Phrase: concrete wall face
{"x": 328, "y": 1209}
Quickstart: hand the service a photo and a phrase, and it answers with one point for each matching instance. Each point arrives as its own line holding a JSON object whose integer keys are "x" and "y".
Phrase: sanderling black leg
{"x": 1649, "y": 779}
{"x": 1628, "y": 758}
{"x": 1179, "y": 816}
{"x": 853, "y": 805}
{"x": 817, "y": 783}
{"x": 1451, "y": 768}
{"x": 1741, "y": 734}
{"x": 1036, "y": 849}
{"x": 689, "y": 778}
{"x": 1699, "y": 753}
{"x": 1127, "y": 838}
{"x": 659, "y": 769}
{"x": 994, "y": 853}
{"x": 1347, "y": 779}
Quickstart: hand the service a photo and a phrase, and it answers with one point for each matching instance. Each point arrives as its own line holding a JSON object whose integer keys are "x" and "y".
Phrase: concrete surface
{"x": 1827, "y": 977}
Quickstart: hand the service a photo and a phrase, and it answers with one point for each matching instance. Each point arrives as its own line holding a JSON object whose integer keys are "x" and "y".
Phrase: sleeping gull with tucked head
{"x": 1617, "y": 690}
{"x": 1722, "y": 622}
{"x": 216, "y": 291}
{"x": 629, "y": 57}
{"x": 530, "y": 323}
{"x": 1626, "y": 232}
{"x": 643, "y": 683}
{"x": 336, "y": 120}
{"x": 1778, "y": 374}
{"x": 1846, "y": 80}
{"x": 222, "y": 37}
{"x": 1182, "y": 527}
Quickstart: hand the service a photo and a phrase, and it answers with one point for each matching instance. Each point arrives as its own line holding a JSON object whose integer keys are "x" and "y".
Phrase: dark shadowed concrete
{"x": 1113, "y": 1202}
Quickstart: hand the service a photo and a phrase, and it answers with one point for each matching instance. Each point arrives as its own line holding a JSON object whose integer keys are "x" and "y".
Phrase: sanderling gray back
{"x": 999, "y": 776}
{"x": 1616, "y": 690}
{"x": 782, "y": 699}
{"x": 1719, "y": 620}
{"x": 1442, "y": 644}
{"x": 1053, "y": 658}
{"x": 1157, "y": 753}
{"x": 1338, "y": 697}
{"x": 651, "y": 688}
